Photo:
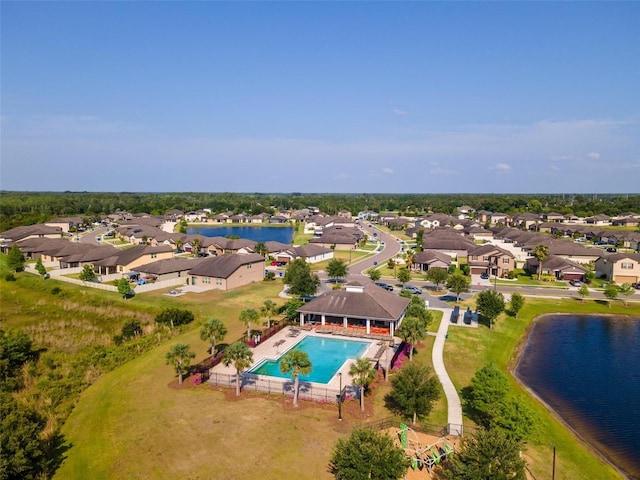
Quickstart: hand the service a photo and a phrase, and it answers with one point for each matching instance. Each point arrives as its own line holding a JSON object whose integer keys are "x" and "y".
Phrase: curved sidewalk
{"x": 454, "y": 415}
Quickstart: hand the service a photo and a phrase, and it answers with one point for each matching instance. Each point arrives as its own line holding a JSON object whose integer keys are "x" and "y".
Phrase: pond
{"x": 257, "y": 233}
{"x": 587, "y": 368}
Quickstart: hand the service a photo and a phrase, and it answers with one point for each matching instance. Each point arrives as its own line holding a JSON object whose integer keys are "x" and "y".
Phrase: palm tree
{"x": 196, "y": 245}
{"x": 269, "y": 308}
{"x": 363, "y": 374}
{"x": 261, "y": 249}
{"x": 179, "y": 244}
{"x": 541, "y": 252}
{"x": 180, "y": 357}
{"x": 247, "y": 316}
{"x": 213, "y": 330}
{"x": 412, "y": 331}
{"x": 240, "y": 355}
{"x": 408, "y": 256}
{"x": 295, "y": 363}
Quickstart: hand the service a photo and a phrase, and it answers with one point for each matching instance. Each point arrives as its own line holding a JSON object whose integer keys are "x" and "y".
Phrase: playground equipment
{"x": 424, "y": 456}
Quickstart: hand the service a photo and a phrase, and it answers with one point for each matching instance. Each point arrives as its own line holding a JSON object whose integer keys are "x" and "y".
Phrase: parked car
{"x": 484, "y": 276}
{"x": 611, "y": 249}
{"x": 636, "y": 286}
{"x": 386, "y": 286}
{"x": 412, "y": 289}
{"x": 575, "y": 283}
{"x": 600, "y": 242}
{"x": 581, "y": 239}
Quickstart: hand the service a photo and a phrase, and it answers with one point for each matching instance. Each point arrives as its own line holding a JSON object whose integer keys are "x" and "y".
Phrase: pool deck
{"x": 281, "y": 342}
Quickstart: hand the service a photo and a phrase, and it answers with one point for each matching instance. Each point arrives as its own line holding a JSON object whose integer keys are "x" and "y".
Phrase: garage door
{"x": 620, "y": 279}
{"x": 478, "y": 270}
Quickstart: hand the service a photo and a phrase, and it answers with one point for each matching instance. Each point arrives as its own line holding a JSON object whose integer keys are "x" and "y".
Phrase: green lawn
{"x": 468, "y": 350}
{"x": 130, "y": 424}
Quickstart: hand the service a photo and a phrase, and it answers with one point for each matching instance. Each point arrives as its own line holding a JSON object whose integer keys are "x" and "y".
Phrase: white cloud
{"x": 387, "y": 170}
{"x": 593, "y": 155}
{"x": 561, "y": 158}
{"x": 397, "y": 111}
{"x": 501, "y": 167}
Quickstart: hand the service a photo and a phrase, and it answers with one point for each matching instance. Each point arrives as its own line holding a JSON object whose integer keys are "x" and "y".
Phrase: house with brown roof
{"x": 364, "y": 308}
{"x": 619, "y": 267}
{"x": 226, "y": 272}
{"x": 19, "y": 234}
{"x": 124, "y": 261}
{"x": 169, "y": 268}
{"x": 559, "y": 267}
{"x": 430, "y": 259}
{"x": 491, "y": 259}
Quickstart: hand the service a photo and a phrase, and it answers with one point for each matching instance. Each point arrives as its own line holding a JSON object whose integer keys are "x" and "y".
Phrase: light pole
{"x": 340, "y": 398}
{"x": 553, "y": 468}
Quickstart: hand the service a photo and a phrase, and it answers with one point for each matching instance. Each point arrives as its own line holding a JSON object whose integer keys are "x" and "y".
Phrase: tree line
{"x": 27, "y": 208}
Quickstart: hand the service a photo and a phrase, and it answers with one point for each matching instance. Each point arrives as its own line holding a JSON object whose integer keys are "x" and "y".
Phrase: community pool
{"x": 327, "y": 355}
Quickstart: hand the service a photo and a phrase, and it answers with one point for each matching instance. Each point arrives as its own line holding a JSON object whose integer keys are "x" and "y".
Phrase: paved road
{"x": 391, "y": 247}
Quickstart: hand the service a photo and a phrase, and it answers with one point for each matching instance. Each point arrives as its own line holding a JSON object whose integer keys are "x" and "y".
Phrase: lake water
{"x": 587, "y": 368}
{"x": 257, "y": 234}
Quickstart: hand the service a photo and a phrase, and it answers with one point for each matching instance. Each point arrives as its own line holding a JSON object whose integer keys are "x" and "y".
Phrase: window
{"x": 505, "y": 260}
{"x": 206, "y": 280}
{"x": 627, "y": 266}
{"x": 218, "y": 282}
{"x": 154, "y": 255}
{"x": 485, "y": 258}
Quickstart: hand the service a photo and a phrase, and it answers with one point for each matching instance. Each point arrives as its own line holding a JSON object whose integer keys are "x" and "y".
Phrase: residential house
{"x": 430, "y": 259}
{"x": 491, "y": 259}
{"x": 169, "y": 268}
{"x": 227, "y": 272}
{"x": 600, "y": 219}
{"x": 619, "y": 268}
{"x": 66, "y": 223}
{"x": 19, "y": 234}
{"x": 125, "y": 261}
{"x": 367, "y": 309}
{"x": 559, "y": 267}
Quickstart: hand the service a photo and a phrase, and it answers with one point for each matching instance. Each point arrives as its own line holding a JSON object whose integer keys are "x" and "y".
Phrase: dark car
{"x": 386, "y": 286}
{"x": 484, "y": 276}
{"x": 611, "y": 249}
{"x": 307, "y": 298}
{"x": 412, "y": 289}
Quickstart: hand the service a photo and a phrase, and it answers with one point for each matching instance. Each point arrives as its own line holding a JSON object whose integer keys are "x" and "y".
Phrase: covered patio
{"x": 365, "y": 309}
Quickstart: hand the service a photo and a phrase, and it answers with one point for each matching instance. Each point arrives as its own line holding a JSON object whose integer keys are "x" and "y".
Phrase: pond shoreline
{"x": 589, "y": 443}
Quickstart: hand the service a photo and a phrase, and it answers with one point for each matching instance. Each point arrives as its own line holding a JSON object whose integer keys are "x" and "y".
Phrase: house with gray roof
{"x": 226, "y": 272}
{"x": 364, "y": 308}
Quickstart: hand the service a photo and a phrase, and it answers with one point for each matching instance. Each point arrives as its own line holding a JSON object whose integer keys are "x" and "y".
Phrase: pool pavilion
{"x": 357, "y": 309}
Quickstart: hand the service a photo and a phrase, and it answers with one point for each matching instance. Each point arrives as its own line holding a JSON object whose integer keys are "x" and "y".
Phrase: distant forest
{"x": 27, "y": 208}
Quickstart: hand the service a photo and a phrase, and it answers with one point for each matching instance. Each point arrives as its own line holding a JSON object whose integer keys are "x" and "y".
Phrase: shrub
{"x": 175, "y": 317}
{"x": 10, "y": 277}
{"x": 56, "y": 290}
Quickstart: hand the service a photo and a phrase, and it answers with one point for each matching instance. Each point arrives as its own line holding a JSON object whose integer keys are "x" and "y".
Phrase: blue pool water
{"x": 327, "y": 355}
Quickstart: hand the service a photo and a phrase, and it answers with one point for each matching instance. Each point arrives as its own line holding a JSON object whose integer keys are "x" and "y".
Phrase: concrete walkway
{"x": 454, "y": 416}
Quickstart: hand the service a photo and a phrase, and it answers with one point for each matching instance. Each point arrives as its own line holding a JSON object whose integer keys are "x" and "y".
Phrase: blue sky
{"x": 389, "y": 97}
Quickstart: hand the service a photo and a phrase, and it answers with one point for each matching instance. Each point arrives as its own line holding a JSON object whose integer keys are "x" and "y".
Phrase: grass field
{"x": 468, "y": 350}
{"x": 131, "y": 424}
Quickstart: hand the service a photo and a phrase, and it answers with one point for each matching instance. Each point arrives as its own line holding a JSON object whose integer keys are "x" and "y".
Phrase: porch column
{"x": 322, "y": 319}
{"x": 345, "y": 323}
{"x": 392, "y": 324}
{"x": 301, "y": 319}
{"x": 368, "y": 326}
